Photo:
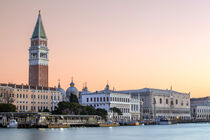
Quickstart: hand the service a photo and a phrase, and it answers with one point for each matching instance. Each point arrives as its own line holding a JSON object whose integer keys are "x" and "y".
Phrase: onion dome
{"x": 107, "y": 87}
{"x": 72, "y": 90}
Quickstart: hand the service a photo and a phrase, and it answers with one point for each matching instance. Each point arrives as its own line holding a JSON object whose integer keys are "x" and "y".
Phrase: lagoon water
{"x": 150, "y": 132}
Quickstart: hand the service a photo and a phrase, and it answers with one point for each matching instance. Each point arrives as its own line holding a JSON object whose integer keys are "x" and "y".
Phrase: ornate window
{"x": 176, "y": 101}
{"x": 160, "y": 100}
{"x": 166, "y": 101}
{"x": 33, "y": 55}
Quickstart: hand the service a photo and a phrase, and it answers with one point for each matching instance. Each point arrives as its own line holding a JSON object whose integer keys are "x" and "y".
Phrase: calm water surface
{"x": 152, "y": 132}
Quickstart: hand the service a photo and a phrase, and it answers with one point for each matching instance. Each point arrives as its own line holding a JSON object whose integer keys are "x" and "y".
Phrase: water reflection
{"x": 157, "y": 132}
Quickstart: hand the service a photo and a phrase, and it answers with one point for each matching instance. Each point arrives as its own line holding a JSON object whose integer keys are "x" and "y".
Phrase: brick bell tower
{"x": 38, "y": 56}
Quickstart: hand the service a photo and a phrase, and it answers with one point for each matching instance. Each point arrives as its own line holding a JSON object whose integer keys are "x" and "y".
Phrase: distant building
{"x": 38, "y": 56}
{"x": 200, "y": 108}
{"x": 30, "y": 99}
{"x": 107, "y": 99}
{"x": 159, "y": 103}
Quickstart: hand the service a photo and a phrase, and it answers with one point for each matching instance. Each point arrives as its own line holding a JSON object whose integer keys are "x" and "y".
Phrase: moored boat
{"x": 164, "y": 122}
{"x": 58, "y": 125}
{"x": 133, "y": 123}
{"x": 12, "y": 124}
{"x": 114, "y": 124}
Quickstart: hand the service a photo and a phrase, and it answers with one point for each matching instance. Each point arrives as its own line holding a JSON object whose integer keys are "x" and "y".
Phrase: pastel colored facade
{"x": 157, "y": 103}
{"x": 31, "y": 99}
{"x": 38, "y": 56}
{"x": 107, "y": 99}
{"x": 200, "y": 108}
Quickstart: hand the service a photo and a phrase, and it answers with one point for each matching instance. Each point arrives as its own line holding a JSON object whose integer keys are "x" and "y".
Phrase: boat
{"x": 58, "y": 125}
{"x": 133, "y": 123}
{"x": 114, "y": 124}
{"x": 164, "y": 122}
{"x": 12, "y": 124}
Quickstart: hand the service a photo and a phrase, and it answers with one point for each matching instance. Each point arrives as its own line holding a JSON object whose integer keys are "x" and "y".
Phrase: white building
{"x": 200, "y": 108}
{"x": 106, "y": 99}
{"x": 159, "y": 103}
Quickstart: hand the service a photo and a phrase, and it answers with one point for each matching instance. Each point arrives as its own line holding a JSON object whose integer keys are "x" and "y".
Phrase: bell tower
{"x": 38, "y": 56}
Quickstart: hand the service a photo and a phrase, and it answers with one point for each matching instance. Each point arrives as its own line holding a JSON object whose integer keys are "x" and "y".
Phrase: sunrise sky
{"x": 132, "y": 43}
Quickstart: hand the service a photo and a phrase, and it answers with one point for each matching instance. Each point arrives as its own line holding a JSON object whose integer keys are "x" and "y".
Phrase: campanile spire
{"x": 38, "y": 56}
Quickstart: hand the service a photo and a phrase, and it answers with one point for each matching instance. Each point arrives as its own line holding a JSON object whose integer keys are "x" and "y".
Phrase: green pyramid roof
{"x": 39, "y": 29}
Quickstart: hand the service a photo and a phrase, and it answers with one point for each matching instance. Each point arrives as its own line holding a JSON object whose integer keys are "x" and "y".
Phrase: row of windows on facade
{"x": 39, "y": 91}
{"x": 167, "y": 102}
{"x": 25, "y": 108}
{"x": 100, "y": 99}
{"x": 39, "y": 96}
{"x": 134, "y": 107}
{"x": 165, "y": 111}
{"x": 6, "y": 95}
{"x": 31, "y": 102}
{"x": 123, "y": 110}
{"x": 203, "y": 116}
{"x": 35, "y": 55}
{"x": 203, "y": 110}
{"x": 26, "y": 90}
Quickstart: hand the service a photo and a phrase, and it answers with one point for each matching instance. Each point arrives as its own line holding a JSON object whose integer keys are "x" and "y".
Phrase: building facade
{"x": 107, "y": 99}
{"x": 200, "y": 108}
{"x": 38, "y": 56}
{"x": 167, "y": 104}
{"x": 29, "y": 99}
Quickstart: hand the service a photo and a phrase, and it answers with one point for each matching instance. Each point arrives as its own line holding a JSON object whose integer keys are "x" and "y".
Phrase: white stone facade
{"x": 163, "y": 103}
{"x": 200, "y": 112}
{"x": 200, "y": 108}
{"x": 107, "y": 99}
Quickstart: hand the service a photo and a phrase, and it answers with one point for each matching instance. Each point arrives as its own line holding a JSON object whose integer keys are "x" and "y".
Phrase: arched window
{"x": 160, "y": 100}
{"x": 176, "y": 101}
{"x": 166, "y": 101}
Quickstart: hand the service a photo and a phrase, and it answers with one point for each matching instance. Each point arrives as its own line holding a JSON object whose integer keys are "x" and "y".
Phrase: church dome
{"x": 72, "y": 90}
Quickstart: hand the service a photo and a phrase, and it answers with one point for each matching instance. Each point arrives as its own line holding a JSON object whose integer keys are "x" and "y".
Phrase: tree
{"x": 6, "y": 95}
{"x": 73, "y": 98}
{"x": 101, "y": 112}
{"x": 68, "y": 108}
{"x": 71, "y": 108}
{"x": 46, "y": 110}
{"x": 115, "y": 110}
{"x": 90, "y": 110}
{"x": 5, "y": 107}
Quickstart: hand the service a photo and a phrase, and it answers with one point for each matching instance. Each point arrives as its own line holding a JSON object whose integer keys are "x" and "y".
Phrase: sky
{"x": 132, "y": 44}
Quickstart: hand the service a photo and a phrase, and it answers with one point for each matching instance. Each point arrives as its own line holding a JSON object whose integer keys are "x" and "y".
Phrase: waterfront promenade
{"x": 158, "y": 132}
